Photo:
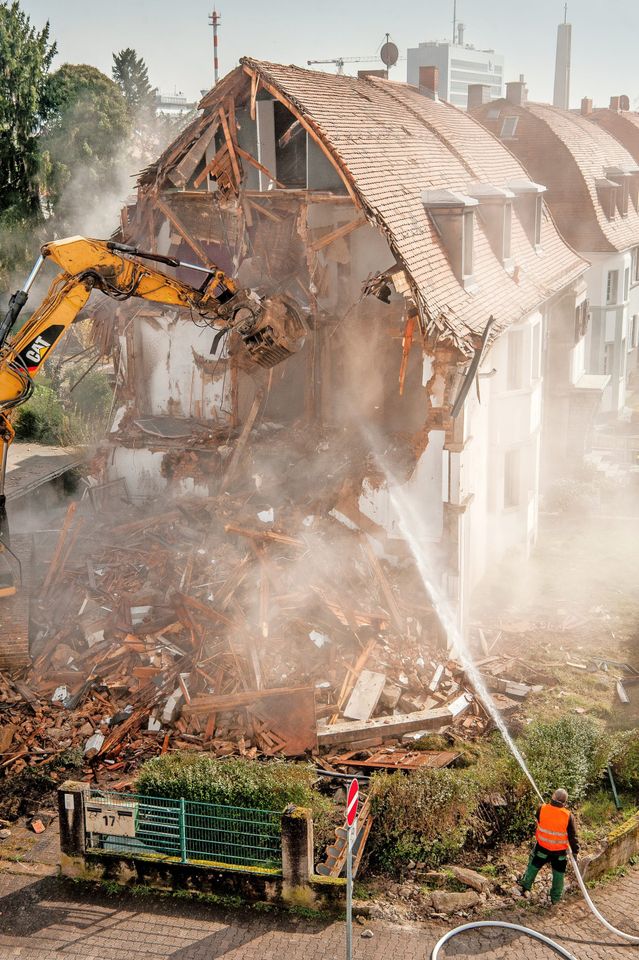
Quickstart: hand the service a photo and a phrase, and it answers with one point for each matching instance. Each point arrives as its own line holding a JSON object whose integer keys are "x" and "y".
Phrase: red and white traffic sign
{"x": 352, "y": 802}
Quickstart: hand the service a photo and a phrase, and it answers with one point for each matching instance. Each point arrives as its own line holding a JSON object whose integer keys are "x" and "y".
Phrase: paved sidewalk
{"x": 47, "y": 919}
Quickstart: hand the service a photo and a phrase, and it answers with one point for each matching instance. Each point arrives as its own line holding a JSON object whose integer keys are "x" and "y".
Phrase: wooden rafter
{"x": 237, "y": 173}
{"x": 258, "y": 166}
{"x": 211, "y": 165}
{"x": 309, "y": 126}
{"x": 342, "y": 231}
{"x": 175, "y": 221}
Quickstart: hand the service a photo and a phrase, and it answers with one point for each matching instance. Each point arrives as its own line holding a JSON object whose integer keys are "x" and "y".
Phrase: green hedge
{"x": 237, "y": 782}
{"x": 233, "y": 781}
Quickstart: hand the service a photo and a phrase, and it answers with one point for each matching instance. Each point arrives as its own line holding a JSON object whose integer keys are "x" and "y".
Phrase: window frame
{"x": 612, "y": 288}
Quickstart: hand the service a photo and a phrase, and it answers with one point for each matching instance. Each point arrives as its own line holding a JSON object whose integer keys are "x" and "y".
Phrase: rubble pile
{"x": 242, "y": 623}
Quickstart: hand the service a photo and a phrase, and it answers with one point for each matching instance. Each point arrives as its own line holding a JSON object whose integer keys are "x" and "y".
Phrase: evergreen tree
{"x": 25, "y": 58}
{"x": 86, "y": 140}
{"x": 132, "y": 76}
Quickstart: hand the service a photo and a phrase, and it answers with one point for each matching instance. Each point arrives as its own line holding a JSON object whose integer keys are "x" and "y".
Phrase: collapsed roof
{"x": 389, "y": 144}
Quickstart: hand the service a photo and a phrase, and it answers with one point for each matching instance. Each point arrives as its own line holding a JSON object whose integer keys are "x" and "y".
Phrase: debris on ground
{"x": 254, "y": 622}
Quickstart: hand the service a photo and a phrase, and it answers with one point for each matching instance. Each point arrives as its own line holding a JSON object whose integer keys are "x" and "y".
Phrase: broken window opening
{"x": 290, "y": 149}
{"x": 582, "y": 316}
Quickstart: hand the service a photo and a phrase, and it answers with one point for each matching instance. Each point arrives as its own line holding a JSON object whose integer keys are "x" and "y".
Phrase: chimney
{"x": 586, "y": 107}
{"x": 561, "y": 95}
{"x": 460, "y": 34}
{"x": 429, "y": 81}
{"x": 478, "y": 95}
{"x": 516, "y": 92}
{"x": 614, "y": 104}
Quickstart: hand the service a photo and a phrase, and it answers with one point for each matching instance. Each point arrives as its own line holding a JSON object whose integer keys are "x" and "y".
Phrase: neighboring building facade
{"x": 593, "y": 194}
{"x": 623, "y": 125}
{"x": 323, "y": 188}
{"x": 173, "y": 106}
{"x": 459, "y": 66}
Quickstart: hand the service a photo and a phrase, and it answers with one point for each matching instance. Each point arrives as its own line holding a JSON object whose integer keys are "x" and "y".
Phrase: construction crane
{"x": 388, "y": 54}
{"x": 340, "y": 61}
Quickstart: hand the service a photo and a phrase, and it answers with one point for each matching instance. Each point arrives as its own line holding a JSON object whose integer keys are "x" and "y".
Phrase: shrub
{"x": 43, "y": 419}
{"x": 625, "y": 761}
{"x": 53, "y": 416}
{"x": 426, "y": 815}
{"x": 569, "y": 752}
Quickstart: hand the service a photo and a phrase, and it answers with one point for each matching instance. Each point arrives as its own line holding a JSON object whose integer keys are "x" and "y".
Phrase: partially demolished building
{"x": 425, "y": 266}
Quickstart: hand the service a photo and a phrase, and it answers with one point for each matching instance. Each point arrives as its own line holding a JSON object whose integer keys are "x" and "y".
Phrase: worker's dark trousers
{"x": 539, "y": 858}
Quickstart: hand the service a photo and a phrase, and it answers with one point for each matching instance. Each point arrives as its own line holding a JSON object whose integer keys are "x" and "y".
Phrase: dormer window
{"x": 453, "y": 215}
{"x": 495, "y": 212}
{"x": 607, "y": 193}
{"x": 621, "y": 178}
{"x": 529, "y": 205}
{"x": 508, "y": 128}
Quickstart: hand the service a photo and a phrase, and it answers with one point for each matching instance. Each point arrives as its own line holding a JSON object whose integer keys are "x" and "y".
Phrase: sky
{"x": 176, "y": 41}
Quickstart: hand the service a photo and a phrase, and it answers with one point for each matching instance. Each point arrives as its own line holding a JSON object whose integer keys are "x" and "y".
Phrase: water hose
{"x": 573, "y": 863}
{"x": 410, "y": 523}
{"x": 600, "y": 917}
{"x": 508, "y": 926}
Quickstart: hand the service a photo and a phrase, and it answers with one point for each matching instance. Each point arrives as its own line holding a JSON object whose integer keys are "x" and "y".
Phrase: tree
{"x": 25, "y": 58}
{"x": 132, "y": 76}
{"x": 86, "y": 141}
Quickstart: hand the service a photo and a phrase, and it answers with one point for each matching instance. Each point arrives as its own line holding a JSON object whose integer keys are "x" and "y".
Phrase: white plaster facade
{"x": 613, "y": 292}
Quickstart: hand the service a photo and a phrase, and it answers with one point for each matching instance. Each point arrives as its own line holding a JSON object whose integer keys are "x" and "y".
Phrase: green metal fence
{"x": 183, "y": 830}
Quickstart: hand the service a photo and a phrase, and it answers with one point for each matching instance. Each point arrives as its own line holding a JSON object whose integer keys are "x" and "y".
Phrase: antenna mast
{"x": 215, "y": 20}
{"x": 454, "y": 20}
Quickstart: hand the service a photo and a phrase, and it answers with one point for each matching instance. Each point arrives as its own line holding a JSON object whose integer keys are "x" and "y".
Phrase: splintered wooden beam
{"x": 204, "y": 704}
{"x": 185, "y": 169}
{"x": 263, "y": 535}
{"x": 265, "y": 211}
{"x": 407, "y": 342}
{"x": 255, "y": 85}
{"x": 243, "y": 439}
{"x": 231, "y": 145}
{"x": 342, "y": 231}
{"x": 385, "y": 586}
{"x": 62, "y": 549}
{"x": 212, "y": 165}
{"x": 258, "y": 166}
{"x": 175, "y": 221}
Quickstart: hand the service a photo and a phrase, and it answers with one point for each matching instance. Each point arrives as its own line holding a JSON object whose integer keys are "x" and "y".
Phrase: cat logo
{"x": 37, "y": 351}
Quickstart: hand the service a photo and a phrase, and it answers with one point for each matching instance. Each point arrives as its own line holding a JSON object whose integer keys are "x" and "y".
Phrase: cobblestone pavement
{"x": 48, "y": 919}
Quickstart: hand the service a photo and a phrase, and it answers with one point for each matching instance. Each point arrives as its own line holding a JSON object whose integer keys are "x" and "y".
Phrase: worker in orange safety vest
{"x": 556, "y": 832}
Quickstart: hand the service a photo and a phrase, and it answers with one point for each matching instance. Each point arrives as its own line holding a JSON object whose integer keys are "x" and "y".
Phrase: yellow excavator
{"x": 270, "y": 329}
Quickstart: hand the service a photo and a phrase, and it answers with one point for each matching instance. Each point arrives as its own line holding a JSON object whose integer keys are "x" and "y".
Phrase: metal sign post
{"x": 352, "y": 802}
